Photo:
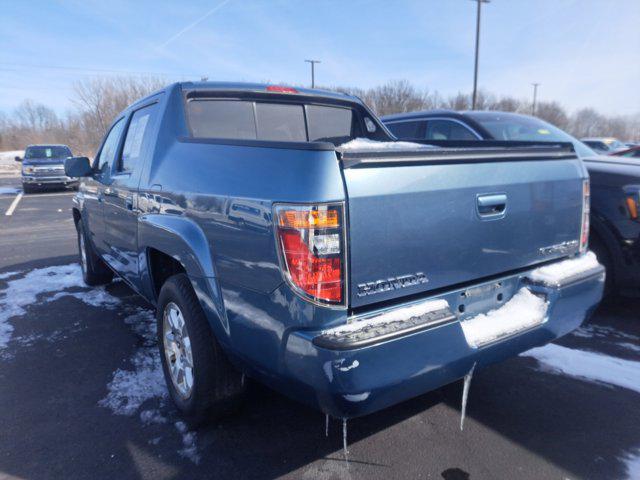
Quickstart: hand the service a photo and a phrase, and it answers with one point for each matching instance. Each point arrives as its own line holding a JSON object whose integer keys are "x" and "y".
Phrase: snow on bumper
{"x": 362, "y": 380}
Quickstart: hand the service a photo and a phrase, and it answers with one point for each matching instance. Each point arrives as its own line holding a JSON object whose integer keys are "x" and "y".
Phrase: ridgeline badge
{"x": 392, "y": 283}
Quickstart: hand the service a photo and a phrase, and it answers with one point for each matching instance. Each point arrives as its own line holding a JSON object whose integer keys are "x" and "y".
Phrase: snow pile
{"x": 189, "y": 448}
{"x": 556, "y": 273}
{"x": 8, "y": 164}
{"x": 392, "y": 316}
{"x": 129, "y": 389}
{"x": 9, "y": 190}
{"x": 632, "y": 462}
{"x": 525, "y": 310}
{"x": 28, "y": 289}
{"x": 366, "y": 144}
{"x": 589, "y": 366}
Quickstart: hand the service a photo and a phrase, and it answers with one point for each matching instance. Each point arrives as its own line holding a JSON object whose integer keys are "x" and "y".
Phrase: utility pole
{"x": 475, "y": 69}
{"x": 535, "y": 98}
{"x": 313, "y": 71}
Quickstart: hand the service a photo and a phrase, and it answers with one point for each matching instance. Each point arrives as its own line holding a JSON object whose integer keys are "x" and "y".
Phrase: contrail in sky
{"x": 193, "y": 24}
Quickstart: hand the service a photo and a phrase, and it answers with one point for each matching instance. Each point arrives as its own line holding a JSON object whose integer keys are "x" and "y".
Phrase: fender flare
{"x": 182, "y": 239}
{"x": 608, "y": 235}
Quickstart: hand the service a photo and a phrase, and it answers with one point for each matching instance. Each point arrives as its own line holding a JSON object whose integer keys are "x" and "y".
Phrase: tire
{"x": 604, "y": 257}
{"x": 185, "y": 337}
{"x": 94, "y": 270}
{"x": 26, "y": 188}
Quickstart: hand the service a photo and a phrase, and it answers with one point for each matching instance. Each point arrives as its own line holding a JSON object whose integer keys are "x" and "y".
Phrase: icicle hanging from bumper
{"x": 326, "y": 425}
{"x": 465, "y": 395}
{"x": 344, "y": 439}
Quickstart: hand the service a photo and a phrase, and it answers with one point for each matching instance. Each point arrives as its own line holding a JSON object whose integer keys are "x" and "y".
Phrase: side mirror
{"x": 18, "y": 159}
{"x": 77, "y": 167}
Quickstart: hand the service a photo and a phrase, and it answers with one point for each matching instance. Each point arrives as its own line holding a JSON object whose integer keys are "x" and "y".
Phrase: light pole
{"x": 313, "y": 71}
{"x": 475, "y": 69}
{"x": 535, "y": 98}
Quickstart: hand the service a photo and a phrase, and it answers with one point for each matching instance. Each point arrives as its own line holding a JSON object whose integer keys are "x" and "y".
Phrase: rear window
{"x": 287, "y": 122}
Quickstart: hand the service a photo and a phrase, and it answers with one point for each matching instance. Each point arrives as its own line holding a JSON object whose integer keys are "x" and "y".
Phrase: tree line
{"x": 97, "y": 101}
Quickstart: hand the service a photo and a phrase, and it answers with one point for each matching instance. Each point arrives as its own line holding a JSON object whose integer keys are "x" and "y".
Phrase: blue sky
{"x": 583, "y": 52}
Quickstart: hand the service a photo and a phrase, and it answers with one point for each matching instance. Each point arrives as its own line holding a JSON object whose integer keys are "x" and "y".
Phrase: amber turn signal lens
{"x": 632, "y": 207}
{"x": 309, "y": 219}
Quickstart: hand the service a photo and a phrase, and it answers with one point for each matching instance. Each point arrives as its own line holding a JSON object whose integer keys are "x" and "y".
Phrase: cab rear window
{"x": 271, "y": 121}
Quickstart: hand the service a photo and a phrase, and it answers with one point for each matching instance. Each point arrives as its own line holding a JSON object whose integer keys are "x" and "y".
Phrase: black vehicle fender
{"x": 183, "y": 240}
{"x": 607, "y": 234}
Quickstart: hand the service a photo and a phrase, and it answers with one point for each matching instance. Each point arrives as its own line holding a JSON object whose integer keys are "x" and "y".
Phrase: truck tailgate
{"x": 420, "y": 222}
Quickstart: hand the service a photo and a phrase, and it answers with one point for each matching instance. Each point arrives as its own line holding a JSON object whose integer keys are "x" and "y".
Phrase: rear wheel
{"x": 94, "y": 270}
{"x": 202, "y": 382}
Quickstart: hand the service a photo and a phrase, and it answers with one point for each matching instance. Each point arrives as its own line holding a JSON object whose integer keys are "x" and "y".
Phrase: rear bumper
{"x": 354, "y": 382}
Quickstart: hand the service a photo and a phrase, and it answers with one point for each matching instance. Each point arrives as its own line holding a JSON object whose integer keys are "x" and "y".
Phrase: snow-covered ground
{"x": 596, "y": 368}
{"x": 135, "y": 390}
{"x": 8, "y": 166}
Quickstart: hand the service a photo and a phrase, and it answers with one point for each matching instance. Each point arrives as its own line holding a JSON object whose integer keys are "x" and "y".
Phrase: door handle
{"x": 492, "y": 205}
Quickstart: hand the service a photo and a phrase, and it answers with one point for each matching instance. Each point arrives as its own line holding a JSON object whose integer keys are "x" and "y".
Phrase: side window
{"x": 138, "y": 137}
{"x": 108, "y": 152}
{"x": 405, "y": 130}
{"x": 447, "y": 130}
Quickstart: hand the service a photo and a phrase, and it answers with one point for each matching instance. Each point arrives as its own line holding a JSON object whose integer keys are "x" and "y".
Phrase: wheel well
{"x": 162, "y": 266}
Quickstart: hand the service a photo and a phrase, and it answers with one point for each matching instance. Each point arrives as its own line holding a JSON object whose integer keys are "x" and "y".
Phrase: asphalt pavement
{"x": 81, "y": 396}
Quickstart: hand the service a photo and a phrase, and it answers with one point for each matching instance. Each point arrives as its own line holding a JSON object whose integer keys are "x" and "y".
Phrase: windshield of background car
{"x": 47, "y": 152}
{"x": 285, "y": 122}
{"x": 516, "y": 127}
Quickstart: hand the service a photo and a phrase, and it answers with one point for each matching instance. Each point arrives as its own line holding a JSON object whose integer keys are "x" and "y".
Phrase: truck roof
{"x": 262, "y": 87}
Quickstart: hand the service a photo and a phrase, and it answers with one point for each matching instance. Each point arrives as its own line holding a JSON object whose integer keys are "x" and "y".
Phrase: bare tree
{"x": 553, "y": 113}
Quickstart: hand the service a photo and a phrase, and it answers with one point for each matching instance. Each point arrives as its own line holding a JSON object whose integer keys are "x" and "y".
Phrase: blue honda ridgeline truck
{"x": 283, "y": 234}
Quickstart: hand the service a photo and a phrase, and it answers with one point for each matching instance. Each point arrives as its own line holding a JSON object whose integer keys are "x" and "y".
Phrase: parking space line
{"x": 13, "y": 205}
{"x": 62, "y": 194}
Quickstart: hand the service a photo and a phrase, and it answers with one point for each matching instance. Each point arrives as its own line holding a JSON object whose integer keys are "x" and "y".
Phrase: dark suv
{"x": 43, "y": 166}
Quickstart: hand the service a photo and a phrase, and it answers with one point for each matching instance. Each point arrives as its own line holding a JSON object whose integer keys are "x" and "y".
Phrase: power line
{"x": 97, "y": 70}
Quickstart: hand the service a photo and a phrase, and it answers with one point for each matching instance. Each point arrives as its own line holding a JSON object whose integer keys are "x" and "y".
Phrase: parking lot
{"x": 82, "y": 393}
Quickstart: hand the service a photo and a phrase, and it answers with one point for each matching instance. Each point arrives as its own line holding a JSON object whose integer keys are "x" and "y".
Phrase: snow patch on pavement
{"x": 35, "y": 284}
{"x": 632, "y": 463}
{"x": 130, "y": 388}
{"x": 144, "y": 381}
{"x": 590, "y": 366}
{"x": 189, "y": 447}
{"x": 5, "y": 275}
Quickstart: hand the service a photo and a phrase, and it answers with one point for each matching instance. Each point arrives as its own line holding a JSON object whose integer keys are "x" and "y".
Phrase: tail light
{"x": 312, "y": 250}
{"x": 586, "y": 207}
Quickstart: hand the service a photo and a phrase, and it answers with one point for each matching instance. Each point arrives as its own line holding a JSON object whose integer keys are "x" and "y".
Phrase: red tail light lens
{"x": 281, "y": 89}
{"x": 586, "y": 208}
{"x": 311, "y": 243}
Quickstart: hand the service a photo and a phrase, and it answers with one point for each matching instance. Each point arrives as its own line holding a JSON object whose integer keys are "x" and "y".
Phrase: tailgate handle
{"x": 492, "y": 205}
